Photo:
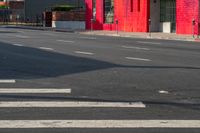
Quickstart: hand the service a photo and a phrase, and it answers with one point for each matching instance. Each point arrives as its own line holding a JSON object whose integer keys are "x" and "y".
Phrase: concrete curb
{"x": 144, "y": 37}
{"x": 40, "y": 28}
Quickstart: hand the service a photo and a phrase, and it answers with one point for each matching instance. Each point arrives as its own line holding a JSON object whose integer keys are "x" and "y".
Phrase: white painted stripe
{"x": 99, "y": 123}
{"x": 148, "y": 42}
{"x": 21, "y": 36}
{"x": 138, "y": 48}
{"x": 163, "y": 92}
{"x": 7, "y": 81}
{"x": 67, "y": 41}
{"x": 90, "y": 38}
{"x": 48, "y": 34}
{"x": 20, "y": 45}
{"x": 20, "y": 90}
{"x": 45, "y": 48}
{"x": 82, "y": 52}
{"x": 139, "y": 59}
{"x": 47, "y": 104}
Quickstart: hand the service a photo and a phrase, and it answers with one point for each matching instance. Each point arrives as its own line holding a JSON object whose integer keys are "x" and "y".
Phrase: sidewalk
{"x": 37, "y": 28}
{"x": 154, "y": 35}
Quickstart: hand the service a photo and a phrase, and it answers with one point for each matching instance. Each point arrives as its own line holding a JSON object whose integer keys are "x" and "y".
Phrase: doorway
{"x": 163, "y": 16}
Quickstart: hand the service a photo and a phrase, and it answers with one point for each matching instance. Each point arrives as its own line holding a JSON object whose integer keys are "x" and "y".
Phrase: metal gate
{"x": 168, "y": 12}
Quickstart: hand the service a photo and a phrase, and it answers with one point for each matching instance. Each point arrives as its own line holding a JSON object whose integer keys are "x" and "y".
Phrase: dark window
{"x": 131, "y": 5}
{"x": 109, "y": 11}
{"x": 94, "y": 9}
{"x": 138, "y": 4}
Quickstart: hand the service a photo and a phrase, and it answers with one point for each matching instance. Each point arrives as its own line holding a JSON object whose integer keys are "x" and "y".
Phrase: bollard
{"x": 117, "y": 22}
{"x": 193, "y": 26}
{"x": 149, "y": 27}
{"x": 92, "y": 20}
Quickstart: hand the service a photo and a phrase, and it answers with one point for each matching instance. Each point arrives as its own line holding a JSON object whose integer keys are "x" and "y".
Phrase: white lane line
{"x": 148, "y": 42}
{"x": 48, "y": 34}
{"x": 138, "y": 48}
{"x": 163, "y": 92}
{"x": 7, "y": 81}
{"x": 16, "y": 44}
{"x": 82, "y": 52}
{"x": 67, "y": 41}
{"x": 21, "y": 36}
{"x": 100, "y": 124}
{"x": 46, "y": 48}
{"x": 90, "y": 38}
{"x": 47, "y": 104}
{"x": 38, "y": 90}
{"x": 138, "y": 59}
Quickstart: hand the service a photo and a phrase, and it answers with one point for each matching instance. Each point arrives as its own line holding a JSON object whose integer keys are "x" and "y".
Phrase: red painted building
{"x": 135, "y": 15}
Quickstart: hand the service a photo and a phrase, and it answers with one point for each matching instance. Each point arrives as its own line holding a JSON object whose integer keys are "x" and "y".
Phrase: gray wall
{"x": 36, "y": 7}
{"x": 155, "y": 15}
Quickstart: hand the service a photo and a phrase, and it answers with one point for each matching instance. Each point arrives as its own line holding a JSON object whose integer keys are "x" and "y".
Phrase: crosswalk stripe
{"x": 38, "y": 90}
{"x": 7, "y": 81}
{"x": 47, "y": 104}
{"x": 100, "y": 124}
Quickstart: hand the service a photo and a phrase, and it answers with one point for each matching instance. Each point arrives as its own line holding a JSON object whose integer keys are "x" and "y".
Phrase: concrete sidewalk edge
{"x": 144, "y": 36}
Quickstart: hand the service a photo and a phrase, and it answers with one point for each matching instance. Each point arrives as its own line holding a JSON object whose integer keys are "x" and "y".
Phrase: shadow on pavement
{"x": 27, "y": 63}
{"x": 189, "y": 105}
{"x": 30, "y": 63}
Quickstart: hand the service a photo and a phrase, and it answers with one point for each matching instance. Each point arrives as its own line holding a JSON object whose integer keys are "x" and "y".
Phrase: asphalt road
{"x": 153, "y": 85}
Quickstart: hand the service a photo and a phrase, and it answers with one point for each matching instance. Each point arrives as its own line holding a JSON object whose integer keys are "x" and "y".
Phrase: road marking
{"x": 100, "y": 124}
{"x": 47, "y": 104}
{"x": 67, "y": 41}
{"x": 46, "y": 48}
{"x": 7, "y": 81}
{"x": 21, "y": 36}
{"x": 139, "y": 59}
{"x": 148, "y": 42}
{"x": 90, "y": 38}
{"x": 82, "y": 52}
{"x": 48, "y": 34}
{"x": 163, "y": 92}
{"x": 19, "y": 45}
{"x": 138, "y": 48}
{"x": 20, "y": 90}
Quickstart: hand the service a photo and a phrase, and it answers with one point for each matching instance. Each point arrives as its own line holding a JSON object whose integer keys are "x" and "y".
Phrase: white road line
{"x": 19, "y": 45}
{"x": 38, "y": 90}
{"x": 45, "y": 48}
{"x": 163, "y": 92}
{"x": 138, "y": 48}
{"x": 82, "y": 52}
{"x": 67, "y": 41}
{"x": 48, "y": 34}
{"x": 90, "y": 38}
{"x": 138, "y": 59}
{"x": 29, "y": 104}
{"x": 148, "y": 42}
{"x": 7, "y": 81}
{"x": 100, "y": 124}
{"x": 21, "y": 36}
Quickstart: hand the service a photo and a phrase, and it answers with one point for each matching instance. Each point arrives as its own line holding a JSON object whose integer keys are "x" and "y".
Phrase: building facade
{"x": 35, "y": 8}
{"x": 179, "y": 16}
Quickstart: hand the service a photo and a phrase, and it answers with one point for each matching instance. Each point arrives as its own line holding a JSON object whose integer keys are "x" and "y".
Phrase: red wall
{"x": 186, "y": 11}
{"x": 135, "y": 21}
